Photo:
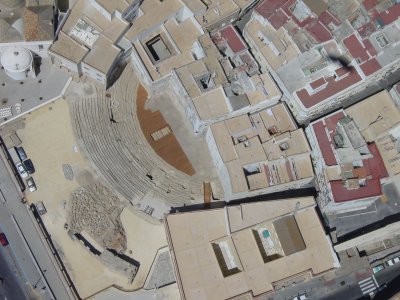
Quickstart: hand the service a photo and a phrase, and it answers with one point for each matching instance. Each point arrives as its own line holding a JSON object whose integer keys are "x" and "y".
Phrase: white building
{"x": 17, "y": 62}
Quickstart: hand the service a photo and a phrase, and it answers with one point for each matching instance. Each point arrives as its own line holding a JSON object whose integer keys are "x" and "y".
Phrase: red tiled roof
{"x": 389, "y": 16}
{"x": 332, "y": 120}
{"x": 368, "y": 4}
{"x": 324, "y": 144}
{"x": 370, "y": 48}
{"x": 277, "y": 12}
{"x": 233, "y": 39}
{"x": 370, "y": 67}
{"x": 341, "y": 194}
{"x": 317, "y": 83}
{"x": 342, "y": 71}
{"x": 366, "y": 30}
{"x": 333, "y": 87}
{"x": 318, "y": 31}
{"x": 278, "y": 19}
{"x": 355, "y": 48}
{"x": 374, "y": 167}
{"x": 268, "y": 7}
{"x": 326, "y": 18}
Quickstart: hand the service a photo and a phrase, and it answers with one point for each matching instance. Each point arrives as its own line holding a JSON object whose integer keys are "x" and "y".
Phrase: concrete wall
{"x": 39, "y": 48}
{"x": 93, "y": 73}
{"x": 219, "y": 165}
{"x": 66, "y": 63}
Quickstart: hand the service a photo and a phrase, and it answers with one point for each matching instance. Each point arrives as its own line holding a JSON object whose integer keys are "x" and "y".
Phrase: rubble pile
{"x": 96, "y": 210}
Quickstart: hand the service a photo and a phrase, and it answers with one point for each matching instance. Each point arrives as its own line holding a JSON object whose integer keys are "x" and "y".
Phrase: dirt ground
{"x": 49, "y": 141}
{"x": 143, "y": 239}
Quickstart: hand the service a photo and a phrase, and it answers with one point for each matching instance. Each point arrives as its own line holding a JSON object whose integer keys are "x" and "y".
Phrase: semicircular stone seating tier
{"x": 119, "y": 151}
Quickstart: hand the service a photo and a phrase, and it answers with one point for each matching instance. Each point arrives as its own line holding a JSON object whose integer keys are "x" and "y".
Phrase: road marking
{"x": 373, "y": 277}
{"x": 366, "y": 279}
{"x": 368, "y": 285}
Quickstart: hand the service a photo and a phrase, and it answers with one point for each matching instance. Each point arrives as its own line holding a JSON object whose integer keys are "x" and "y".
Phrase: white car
{"x": 21, "y": 170}
{"x": 393, "y": 261}
{"x": 31, "y": 184}
{"x": 301, "y": 297}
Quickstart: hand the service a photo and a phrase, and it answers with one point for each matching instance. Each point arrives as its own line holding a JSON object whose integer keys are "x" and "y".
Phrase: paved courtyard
{"x": 18, "y": 97}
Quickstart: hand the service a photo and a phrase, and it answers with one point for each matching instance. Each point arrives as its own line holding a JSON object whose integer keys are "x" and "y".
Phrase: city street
{"x": 26, "y": 246}
{"x": 13, "y": 280}
{"x": 350, "y": 286}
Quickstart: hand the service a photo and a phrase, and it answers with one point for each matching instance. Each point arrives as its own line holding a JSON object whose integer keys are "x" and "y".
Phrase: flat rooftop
{"x": 378, "y": 119}
{"x": 222, "y": 253}
{"x": 263, "y": 149}
{"x": 162, "y": 43}
{"x": 154, "y": 14}
{"x": 83, "y": 10}
{"x": 90, "y": 37}
{"x": 358, "y": 147}
{"x": 210, "y": 12}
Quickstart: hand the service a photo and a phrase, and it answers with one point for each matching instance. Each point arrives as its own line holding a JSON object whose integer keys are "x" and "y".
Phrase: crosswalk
{"x": 368, "y": 285}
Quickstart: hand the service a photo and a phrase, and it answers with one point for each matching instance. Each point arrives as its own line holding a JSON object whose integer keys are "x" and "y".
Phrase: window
{"x": 40, "y": 47}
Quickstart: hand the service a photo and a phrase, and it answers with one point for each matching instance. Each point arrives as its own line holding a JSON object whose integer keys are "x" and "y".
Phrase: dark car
{"x": 21, "y": 153}
{"x": 29, "y": 166}
{"x": 3, "y": 239}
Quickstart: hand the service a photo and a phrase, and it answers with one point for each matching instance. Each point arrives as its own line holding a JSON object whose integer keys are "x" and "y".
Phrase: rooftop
{"x": 263, "y": 149}
{"x": 67, "y": 47}
{"x": 226, "y": 78}
{"x": 30, "y": 22}
{"x": 163, "y": 42}
{"x": 103, "y": 55}
{"x": 244, "y": 248}
{"x": 85, "y": 11}
{"x": 210, "y": 12}
{"x": 90, "y": 37}
{"x": 358, "y": 147}
{"x": 289, "y": 33}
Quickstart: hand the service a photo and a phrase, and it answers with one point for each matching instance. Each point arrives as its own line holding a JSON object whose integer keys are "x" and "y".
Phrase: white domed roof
{"x": 16, "y": 59}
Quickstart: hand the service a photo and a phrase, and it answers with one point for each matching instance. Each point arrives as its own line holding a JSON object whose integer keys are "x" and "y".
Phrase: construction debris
{"x": 96, "y": 210}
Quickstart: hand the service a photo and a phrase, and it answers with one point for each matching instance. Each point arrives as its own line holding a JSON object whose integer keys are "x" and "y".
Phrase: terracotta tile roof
{"x": 370, "y": 67}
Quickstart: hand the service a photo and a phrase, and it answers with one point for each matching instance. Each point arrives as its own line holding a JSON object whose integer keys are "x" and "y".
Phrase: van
{"x": 14, "y": 156}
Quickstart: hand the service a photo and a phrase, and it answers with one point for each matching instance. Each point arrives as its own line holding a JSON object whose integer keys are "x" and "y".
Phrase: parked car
{"x": 3, "y": 239}
{"x": 31, "y": 184}
{"x": 378, "y": 268}
{"x": 393, "y": 261}
{"x": 29, "y": 166}
{"x": 21, "y": 153}
{"x": 382, "y": 287}
{"x": 301, "y": 297}
{"x": 21, "y": 170}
